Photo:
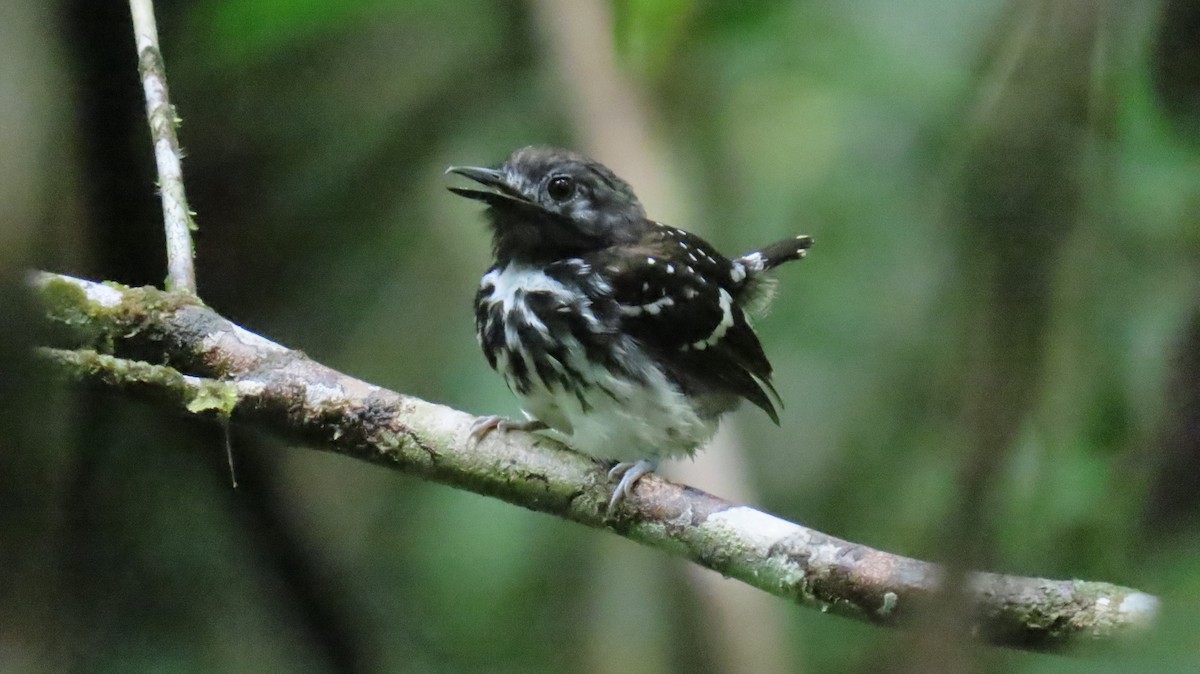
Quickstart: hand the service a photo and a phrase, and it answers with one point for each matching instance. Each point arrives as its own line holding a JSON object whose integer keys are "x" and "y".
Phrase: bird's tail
{"x": 759, "y": 289}
{"x": 769, "y": 257}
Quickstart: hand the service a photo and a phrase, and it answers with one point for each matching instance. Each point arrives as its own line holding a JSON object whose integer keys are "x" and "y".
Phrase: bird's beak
{"x": 501, "y": 191}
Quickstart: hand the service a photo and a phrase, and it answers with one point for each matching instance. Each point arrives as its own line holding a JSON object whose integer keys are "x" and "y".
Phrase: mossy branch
{"x": 160, "y": 114}
{"x": 205, "y": 365}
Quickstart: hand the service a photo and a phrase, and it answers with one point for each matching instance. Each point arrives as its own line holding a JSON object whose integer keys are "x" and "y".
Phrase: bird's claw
{"x": 485, "y": 425}
{"x": 629, "y": 472}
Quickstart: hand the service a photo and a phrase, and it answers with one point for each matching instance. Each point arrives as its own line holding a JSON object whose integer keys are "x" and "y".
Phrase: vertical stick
{"x": 177, "y": 219}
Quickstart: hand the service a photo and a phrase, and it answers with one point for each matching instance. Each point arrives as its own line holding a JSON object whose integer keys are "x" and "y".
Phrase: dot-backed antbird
{"x": 627, "y": 336}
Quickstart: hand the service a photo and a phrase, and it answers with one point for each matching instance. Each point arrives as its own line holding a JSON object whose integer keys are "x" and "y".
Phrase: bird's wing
{"x": 679, "y": 308}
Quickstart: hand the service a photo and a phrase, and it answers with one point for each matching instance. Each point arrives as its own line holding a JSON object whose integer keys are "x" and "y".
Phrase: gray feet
{"x": 485, "y": 425}
{"x": 629, "y": 472}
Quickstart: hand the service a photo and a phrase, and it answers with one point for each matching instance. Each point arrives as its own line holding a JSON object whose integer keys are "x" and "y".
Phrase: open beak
{"x": 501, "y": 191}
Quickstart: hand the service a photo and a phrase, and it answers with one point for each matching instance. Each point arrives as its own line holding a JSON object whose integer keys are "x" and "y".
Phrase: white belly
{"x": 619, "y": 418}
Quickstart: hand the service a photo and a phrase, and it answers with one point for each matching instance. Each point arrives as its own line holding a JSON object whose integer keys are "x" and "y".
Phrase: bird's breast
{"x": 554, "y": 339}
{"x": 533, "y": 327}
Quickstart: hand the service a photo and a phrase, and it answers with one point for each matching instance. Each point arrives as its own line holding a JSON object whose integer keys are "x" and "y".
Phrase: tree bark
{"x": 170, "y": 348}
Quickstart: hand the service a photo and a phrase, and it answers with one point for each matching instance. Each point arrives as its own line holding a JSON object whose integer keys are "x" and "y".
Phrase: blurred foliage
{"x": 907, "y": 138}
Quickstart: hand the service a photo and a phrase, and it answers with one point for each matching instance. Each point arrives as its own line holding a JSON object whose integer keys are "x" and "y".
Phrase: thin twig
{"x": 283, "y": 391}
{"x": 177, "y": 218}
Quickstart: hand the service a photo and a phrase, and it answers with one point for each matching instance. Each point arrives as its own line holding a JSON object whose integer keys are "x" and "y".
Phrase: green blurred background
{"x": 992, "y": 356}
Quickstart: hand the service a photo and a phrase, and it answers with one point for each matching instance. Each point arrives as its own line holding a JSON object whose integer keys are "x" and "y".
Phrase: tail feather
{"x": 769, "y": 257}
{"x": 759, "y": 289}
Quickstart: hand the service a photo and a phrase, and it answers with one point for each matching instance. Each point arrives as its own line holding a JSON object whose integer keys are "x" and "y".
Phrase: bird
{"x": 625, "y": 337}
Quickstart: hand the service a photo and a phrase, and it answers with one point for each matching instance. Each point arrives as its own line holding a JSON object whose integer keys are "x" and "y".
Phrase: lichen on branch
{"x": 170, "y": 348}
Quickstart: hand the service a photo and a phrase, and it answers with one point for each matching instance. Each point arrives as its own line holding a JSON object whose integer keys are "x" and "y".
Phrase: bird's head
{"x": 547, "y": 204}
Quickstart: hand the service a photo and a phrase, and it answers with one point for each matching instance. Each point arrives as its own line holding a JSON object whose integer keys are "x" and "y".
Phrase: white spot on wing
{"x": 723, "y": 326}
{"x": 652, "y": 308}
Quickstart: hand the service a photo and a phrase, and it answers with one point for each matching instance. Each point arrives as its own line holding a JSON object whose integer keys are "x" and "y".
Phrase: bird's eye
{"x": 560, "y": 188}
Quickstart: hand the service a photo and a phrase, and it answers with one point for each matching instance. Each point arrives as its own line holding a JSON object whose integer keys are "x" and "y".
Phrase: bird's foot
{"x": 485, "y": 425}
{"x": 629, "y": 472}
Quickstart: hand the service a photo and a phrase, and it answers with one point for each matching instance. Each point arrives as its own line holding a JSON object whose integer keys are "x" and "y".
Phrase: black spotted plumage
{"x": 674, "y": 301}
{"x": 627, "y": 336}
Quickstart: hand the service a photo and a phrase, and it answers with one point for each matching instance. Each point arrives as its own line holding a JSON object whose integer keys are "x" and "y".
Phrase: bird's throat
{"x": 535, "y": 237}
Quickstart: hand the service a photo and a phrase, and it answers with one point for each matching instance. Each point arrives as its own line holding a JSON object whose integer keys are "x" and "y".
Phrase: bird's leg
{"x": 629, "y": 472}
{"x": 495, "y": 422}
